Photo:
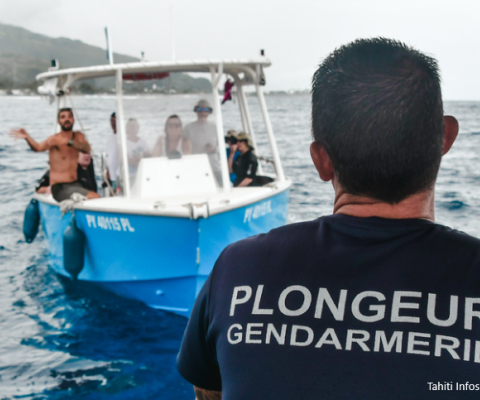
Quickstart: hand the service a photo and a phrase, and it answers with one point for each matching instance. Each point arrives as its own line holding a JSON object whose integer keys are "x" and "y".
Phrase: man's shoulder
{"x": 304, "y": 238}
{"x": 52, "y": 140}
{"x": 458, "y": 238}
{"x": 282, "y": 239}
{"x": 78, "y": 135}
{"x": 252, "y": 156}
{"x": 191, "y": 124}
{"x": 55, "y": 135}
{"x": 188, "y": 128}
{"x": 202, "y": 123}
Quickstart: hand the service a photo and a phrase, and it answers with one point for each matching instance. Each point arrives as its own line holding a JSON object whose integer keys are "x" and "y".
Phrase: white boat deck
{"x": 203, "y": 205}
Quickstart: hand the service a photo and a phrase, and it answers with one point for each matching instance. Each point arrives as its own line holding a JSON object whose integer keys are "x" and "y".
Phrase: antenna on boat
{"x": 109, "y": 46}
{"x": 174, "y": 55}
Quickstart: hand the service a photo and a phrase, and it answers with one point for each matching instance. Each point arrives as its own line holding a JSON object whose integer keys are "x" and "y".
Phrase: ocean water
{"x": 63, "y": 340}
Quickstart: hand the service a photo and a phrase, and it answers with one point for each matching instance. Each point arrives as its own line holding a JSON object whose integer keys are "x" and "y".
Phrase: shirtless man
{"x": 63, "y": 149}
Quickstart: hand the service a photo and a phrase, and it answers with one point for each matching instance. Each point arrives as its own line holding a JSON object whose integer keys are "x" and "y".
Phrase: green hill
{"x": 24, "y": 54}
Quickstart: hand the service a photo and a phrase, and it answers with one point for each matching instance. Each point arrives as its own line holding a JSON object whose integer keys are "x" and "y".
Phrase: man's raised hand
{"x": 18, "y": 133}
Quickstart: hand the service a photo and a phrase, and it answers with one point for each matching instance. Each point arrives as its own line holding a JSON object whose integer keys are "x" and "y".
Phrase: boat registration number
{"x": 109, "y": 223}
{"x": 257, "y": 211}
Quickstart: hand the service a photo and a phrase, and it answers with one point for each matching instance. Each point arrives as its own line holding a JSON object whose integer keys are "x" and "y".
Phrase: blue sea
{"x": 63, "y": 340}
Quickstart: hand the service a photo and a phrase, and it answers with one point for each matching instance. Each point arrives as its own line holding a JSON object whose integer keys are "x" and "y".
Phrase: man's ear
{"x": 451, "y": 132}
{"x": 322, "y": 161}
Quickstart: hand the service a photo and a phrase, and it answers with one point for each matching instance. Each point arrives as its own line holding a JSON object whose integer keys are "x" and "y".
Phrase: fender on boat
{"x": 73, "y": 249}
{"x": 31, "y": 221}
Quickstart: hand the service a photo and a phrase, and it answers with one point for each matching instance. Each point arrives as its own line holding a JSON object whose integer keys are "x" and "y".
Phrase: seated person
{"x": 63, "y": 148}
{"x": 85, "y": 175}
{"x": 44, "y": 184}
{"x": 232, "y": 152}
{"x": 172, "y": 144}
{"x": 137, "y": 148}
{"x": 245, "y": 166}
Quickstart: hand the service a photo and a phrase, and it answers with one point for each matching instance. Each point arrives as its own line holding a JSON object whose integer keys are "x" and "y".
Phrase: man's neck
{"x": 420, "y": 205}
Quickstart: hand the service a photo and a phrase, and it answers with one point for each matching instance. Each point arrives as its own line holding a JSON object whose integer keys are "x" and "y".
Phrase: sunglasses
{"x": 177, "y": 125}
{"x": 231, "y": 140}
{"x": 206, "y": 109}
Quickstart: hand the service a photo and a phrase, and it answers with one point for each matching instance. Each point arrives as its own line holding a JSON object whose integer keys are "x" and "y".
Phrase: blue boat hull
{"x": 161, "y": 261}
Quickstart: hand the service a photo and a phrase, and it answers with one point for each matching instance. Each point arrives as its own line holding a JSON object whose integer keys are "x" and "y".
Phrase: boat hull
{"x": 159, "y": 260}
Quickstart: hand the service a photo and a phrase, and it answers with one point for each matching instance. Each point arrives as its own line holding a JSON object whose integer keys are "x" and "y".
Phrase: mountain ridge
{"x": 25, "y": 54}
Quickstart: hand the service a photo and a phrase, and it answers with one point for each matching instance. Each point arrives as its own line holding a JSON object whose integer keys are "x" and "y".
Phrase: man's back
{"x": 340, "y": 307}
{"x": 375, "y": 302}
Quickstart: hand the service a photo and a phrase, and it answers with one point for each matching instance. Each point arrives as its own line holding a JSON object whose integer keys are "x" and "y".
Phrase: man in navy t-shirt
{"x": 373, "y": 302}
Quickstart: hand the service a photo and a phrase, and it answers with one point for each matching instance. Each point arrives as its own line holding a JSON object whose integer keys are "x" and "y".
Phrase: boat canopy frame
{"x": 57, "y": 83}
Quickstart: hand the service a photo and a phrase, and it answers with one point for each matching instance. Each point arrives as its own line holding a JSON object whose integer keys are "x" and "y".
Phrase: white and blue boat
{"x": 158, "y": 241}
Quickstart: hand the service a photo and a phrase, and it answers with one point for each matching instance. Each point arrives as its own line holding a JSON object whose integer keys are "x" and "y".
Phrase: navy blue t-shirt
{"x": 340, "y": 308}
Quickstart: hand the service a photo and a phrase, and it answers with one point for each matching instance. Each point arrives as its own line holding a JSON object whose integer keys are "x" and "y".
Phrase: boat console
{"x": 160, "y": 177}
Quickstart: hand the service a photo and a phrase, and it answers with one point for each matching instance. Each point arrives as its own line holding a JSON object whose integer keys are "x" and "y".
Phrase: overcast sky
{"x": 296, "y": 35}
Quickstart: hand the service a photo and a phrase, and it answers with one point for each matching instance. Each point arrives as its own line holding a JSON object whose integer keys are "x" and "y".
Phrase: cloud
{"x": 295, "y": 36}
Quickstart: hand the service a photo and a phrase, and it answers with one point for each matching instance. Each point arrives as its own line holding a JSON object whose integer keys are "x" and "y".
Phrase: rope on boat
{"x": 69, "y": 204}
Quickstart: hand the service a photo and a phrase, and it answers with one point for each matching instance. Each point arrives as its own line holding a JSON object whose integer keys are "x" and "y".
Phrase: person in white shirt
{"x": 201, "y": 137}
{"x": 137, "y": 148}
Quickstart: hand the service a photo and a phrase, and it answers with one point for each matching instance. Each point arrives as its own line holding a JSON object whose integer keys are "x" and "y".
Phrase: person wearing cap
{"x": 232, "y": 152}
{"x": 201, "y": 137}
{"x": 245, "y": 166}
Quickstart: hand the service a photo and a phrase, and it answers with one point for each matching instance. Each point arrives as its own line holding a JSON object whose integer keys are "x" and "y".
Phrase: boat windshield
{"x": 174, "y": 137}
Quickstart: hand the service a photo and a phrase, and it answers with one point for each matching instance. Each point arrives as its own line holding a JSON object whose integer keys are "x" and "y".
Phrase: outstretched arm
{"x": 22, "y": 134}
{"x": 203, "y": 394}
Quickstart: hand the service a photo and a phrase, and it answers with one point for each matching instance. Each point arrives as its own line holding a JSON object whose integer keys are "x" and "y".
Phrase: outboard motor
{"x": 73, "y": 249}
{"x": 31, "y": 220}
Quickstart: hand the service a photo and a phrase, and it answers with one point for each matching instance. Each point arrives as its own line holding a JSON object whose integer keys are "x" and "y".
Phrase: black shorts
{"x": 63, "y": 191}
